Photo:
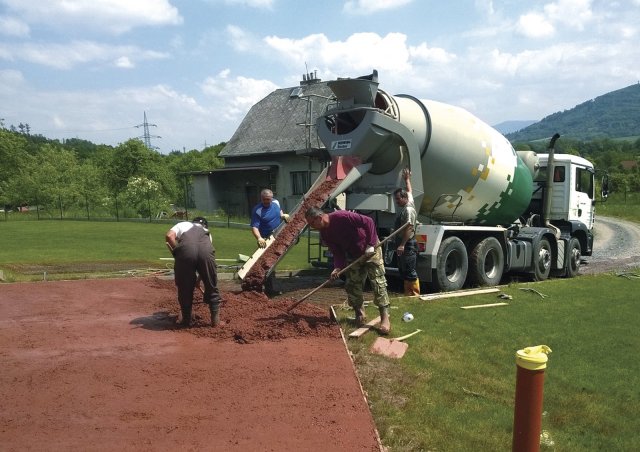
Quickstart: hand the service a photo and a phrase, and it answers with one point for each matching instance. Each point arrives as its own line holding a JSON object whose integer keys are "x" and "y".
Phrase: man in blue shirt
{"x": 265, "y": 218}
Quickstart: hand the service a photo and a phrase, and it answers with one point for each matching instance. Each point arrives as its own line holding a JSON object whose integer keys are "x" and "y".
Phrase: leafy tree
{"x": 146, "y": 196}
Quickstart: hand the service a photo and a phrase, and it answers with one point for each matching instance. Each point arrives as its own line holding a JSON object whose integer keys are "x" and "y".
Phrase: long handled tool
{"x": 357, "y": 261}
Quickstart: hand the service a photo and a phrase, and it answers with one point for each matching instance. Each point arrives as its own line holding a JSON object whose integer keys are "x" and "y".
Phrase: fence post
{"x": 60, "y": 201}
{"x": 149, "y": 206}
{"x": 527, "y": 419}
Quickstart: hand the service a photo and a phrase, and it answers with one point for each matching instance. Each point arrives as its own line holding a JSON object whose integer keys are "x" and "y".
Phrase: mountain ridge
{"x": 612, "y": 115}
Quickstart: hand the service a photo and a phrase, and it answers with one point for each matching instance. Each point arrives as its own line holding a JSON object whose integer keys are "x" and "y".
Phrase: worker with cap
{"x": 192, "y": 248}
{"x": 406, "y": 245}
{"x": 266, "y": 216}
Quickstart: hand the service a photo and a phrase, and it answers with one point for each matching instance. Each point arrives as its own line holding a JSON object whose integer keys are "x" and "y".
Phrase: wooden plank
{"x": 363, "y": 329}
{"x": 458, "y": 293}
{"x": 488, "y": 305}
{"x": 252, "y": 260}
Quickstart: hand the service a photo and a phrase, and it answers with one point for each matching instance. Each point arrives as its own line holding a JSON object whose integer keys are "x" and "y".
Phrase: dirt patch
{"x": 99, "y": 365}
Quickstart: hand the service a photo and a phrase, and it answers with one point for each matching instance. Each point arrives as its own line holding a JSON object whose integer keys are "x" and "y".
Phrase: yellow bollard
{"x": 527, "y": 418}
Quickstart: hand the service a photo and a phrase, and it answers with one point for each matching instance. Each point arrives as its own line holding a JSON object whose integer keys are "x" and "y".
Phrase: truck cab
{"x": 572, "y": 197}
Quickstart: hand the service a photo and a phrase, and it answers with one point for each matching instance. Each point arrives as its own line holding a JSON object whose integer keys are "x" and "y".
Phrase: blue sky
{"x": 90, "y": 68}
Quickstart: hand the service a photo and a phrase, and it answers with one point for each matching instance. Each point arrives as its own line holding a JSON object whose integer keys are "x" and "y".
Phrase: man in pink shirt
{"x": 350, "y": 235}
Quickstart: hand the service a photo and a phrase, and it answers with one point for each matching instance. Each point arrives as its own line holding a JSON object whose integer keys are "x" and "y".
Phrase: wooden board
{"x": 363, "y": 329}
{"x": 488, "y": 305}
{"x": 252, "y": 260}
{"x": 458, "y": 293}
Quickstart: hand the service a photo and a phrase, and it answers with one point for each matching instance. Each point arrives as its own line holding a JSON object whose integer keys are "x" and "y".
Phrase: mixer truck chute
{"x": 484, "y": 209}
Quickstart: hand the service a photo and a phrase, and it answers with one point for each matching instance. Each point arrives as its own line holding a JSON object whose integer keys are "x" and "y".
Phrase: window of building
{"x": 300, "y": 182}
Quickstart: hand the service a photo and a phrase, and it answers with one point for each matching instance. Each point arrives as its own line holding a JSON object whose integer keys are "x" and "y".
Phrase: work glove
{"x": 262, "y": 243}
{"x": 370, "y": 251}
{"x": 285, "y": 217}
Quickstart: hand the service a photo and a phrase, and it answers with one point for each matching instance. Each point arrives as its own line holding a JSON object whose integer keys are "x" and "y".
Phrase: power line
{"x": 146, "y": 136}
{"x": 84, "y": 130}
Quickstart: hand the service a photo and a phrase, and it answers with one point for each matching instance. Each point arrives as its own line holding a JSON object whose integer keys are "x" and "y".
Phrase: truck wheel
{"x": 542, "y": 260}
{"x": 575, "y": 256}
{"x": 486, "y": 262}
{"x": 451, "y": 265}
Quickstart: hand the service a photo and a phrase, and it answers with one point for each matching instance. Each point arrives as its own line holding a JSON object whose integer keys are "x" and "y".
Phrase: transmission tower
{"x": 146, "y": 136}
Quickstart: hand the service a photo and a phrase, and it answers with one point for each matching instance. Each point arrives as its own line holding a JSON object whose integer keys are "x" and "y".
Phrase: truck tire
{"x": 451, "y": 265}
{"x": 542, "y": 257}
{"x": 575, "y": 256}
{"x": 486, "y": 263}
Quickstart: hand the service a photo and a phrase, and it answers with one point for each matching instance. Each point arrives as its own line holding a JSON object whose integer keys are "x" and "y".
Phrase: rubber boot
{"x": 186, "y": 317}
{"x": 385, "y": 322}
{"x": 412, "y": 288}
{"x": 361, "y": 316}
{"x": 215, "y": 315}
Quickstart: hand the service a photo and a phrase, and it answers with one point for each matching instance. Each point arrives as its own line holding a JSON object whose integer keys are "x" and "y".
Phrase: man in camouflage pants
{"x": 350, "y": 235}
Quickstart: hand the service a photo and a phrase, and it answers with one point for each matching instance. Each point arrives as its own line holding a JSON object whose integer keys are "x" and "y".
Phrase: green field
{"x": 454, "y": 389}
{"x": 71, "y": 249}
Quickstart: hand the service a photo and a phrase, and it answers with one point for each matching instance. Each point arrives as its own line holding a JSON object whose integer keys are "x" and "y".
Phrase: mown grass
{"x": 454, "y": 389}
{"x": 67, "y": 249}
{"x": 620, "y": 205}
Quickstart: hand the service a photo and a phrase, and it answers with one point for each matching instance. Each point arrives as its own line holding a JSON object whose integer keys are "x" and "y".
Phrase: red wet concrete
{"x": 99, "y": 365}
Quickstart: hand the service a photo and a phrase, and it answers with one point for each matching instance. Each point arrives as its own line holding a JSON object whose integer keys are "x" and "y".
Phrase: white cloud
{"x": 575, "y": 14}
{"x": 360, "y": 52}
{"x": 264, "y": 4}
{"x": 114, "y": 16}
{"x": 66, "y": 56}
{"x": 431, "y": 54}
{"x": 124, "y": 62}
{"x": 534, "y": 25}
{"x": 11, "y": 80}
{"x": 235, "y": 95}
{"x": 372, "y": 6}
{"x": 10, "y": 26}
{"x": 241, "y": 40}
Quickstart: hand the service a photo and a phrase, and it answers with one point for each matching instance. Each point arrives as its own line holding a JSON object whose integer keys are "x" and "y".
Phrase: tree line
{"x": 619, "y": 158}
{"x": 78, "y": 174}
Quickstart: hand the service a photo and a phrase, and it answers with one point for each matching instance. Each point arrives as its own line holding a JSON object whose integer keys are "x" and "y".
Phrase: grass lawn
{"x": 67, "y": 249}
{"x": 454, "y": 389}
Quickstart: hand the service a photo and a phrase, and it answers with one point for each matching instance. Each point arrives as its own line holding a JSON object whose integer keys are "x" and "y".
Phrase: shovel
{"x": 391, "y": 348}
{"x": 358, "y": 260}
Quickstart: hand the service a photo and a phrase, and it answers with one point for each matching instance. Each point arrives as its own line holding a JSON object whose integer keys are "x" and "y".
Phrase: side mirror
{"x": 604, "y": 187}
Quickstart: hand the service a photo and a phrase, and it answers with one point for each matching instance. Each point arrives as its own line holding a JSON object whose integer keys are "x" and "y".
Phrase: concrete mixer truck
{"x": 484, "y": 209}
